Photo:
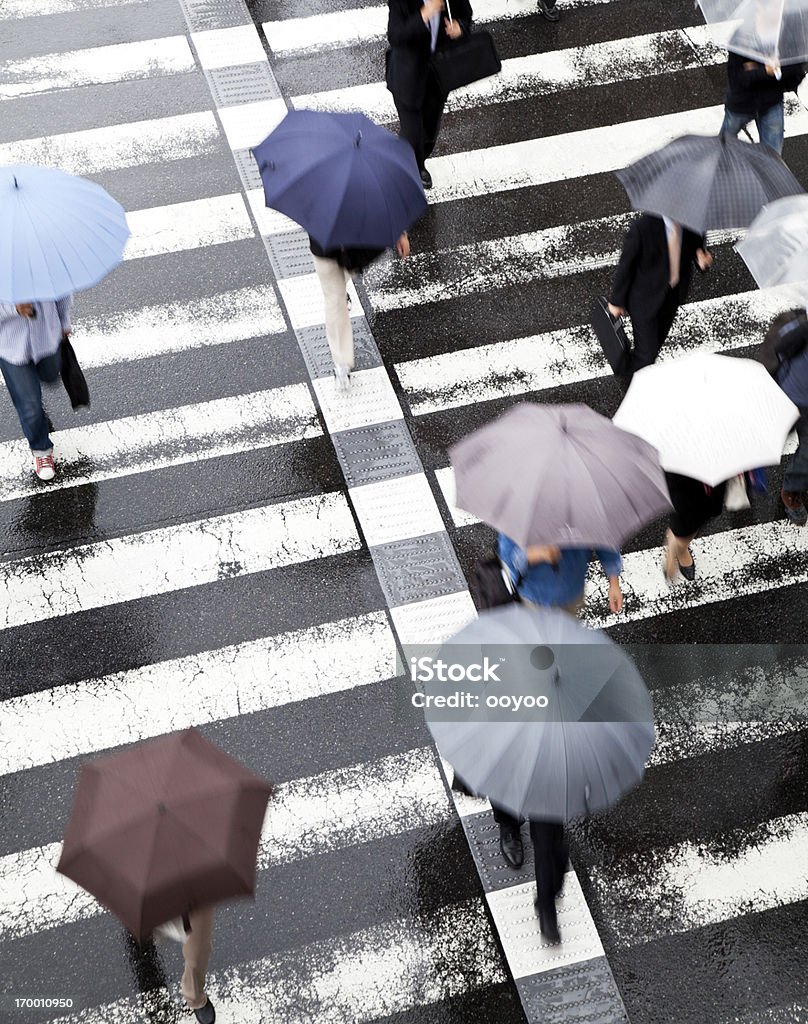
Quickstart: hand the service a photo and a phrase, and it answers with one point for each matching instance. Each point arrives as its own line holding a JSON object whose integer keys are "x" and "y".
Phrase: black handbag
{"x": 612, "y": 337}
{"x": 492, "y": 584}
{"x": 468, "y": 59}
{"x": 73, "y": 377}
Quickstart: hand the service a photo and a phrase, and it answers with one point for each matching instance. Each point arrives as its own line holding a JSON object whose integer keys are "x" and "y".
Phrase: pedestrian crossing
{"x": 233, "y": 546}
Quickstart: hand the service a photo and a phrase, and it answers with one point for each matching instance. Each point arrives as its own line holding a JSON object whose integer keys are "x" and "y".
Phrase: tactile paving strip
{"x": 203, "y": 15}
{"x": 435, "y": 620}
{"x": 371, "y": 400}
{"x": 289, "y": 253}
{"x": 377, "y": 452}
{"x": 317, "y": 355}
{"x": 394, "y": 510}
{"x": 248, "y": 171}
{"x": 482, "y": 833}
{"x": 226, "y": 47}
{"x": 517, "y": 922}
{"x": 246, "y": 83}
{"x": 418, "y": 569}
{"x": 580, "y": 994}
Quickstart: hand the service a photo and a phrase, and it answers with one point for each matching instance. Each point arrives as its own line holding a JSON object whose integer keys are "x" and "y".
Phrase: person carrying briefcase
{"x": 416, "y": 31}
{"x": 652, "y": 279}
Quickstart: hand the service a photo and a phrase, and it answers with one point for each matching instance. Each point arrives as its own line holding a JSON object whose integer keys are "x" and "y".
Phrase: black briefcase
{"x": 612, "y": 336}
{"x": 468, "y": 59}
{"x": 72, "y": 376}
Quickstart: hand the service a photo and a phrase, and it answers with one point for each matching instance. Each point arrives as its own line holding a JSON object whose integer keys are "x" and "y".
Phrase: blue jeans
{"x": 23, "y": 383}
{"x": 770, "y": 125}
{"x": 795, "y": 478}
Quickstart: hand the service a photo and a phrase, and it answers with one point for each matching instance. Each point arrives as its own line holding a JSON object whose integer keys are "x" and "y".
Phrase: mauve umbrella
{"x": 166, "y": 827}
{"x": 578, "y": 755}
{"x": 559, "y": 474}
{"x": 346, "y": 180}
{"x": 707, "y": 182}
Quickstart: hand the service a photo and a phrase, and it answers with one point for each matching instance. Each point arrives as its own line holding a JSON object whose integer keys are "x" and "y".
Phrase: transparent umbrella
{"x": 770, "y": 31}
{"x": 776, "y": 245}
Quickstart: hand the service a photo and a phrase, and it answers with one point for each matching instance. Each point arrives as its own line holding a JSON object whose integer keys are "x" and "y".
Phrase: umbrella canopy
{"x": 559, "y": 474}
{"x": 776, "y": 245}
{"x": 166, "y": 827}
{"x": 58, "y": 234}
{"x": 770, "y": 31}
{"x": 347, "y": 181}
{"x": 575, "y": 757}
{"x": 706, "y": 182}
{"x": 710, "y": 416}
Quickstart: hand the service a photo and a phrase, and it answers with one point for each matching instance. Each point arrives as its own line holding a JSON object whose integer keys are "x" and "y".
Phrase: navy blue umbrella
{"x": 344, "y": 179}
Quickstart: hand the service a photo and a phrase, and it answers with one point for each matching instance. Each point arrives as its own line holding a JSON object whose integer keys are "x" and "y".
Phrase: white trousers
{"x": 334, "y": 281}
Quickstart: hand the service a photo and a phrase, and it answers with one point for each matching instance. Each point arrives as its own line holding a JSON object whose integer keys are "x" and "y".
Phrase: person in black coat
{"x": 756, "y": 93}
{"x": 415, "y": 30}
{"x": 652, "y": 279}
{"x": 694, "y": 504}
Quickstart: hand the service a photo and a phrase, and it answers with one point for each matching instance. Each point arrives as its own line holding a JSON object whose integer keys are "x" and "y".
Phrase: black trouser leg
{"x": 550, "y": 861}
{"x": 503, "y": 817}
{"x": 411, "y": 128}
{"x": 651, "y": 332}
{"x": 434, "y": 102}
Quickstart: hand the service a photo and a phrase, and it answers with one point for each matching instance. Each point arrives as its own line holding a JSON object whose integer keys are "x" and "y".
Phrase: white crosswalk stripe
{"x": 301, "y": 686}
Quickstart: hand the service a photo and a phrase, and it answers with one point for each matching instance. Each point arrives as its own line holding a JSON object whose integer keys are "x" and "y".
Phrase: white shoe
{"x": 343, "y": 379}
{"x": 44, "y": 466}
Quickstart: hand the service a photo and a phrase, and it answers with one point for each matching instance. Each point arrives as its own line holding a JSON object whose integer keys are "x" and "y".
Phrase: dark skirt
{"x": 694, "y": 504}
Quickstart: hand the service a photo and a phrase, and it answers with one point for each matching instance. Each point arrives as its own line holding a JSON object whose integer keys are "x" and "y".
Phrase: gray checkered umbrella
{"x": 706, "y": 182}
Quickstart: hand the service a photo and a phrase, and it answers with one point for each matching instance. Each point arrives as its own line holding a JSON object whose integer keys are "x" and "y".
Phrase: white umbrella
{"x": 770, "y": 31}
{"x": 709, "y": 416}
{"x": 776, "y": 245}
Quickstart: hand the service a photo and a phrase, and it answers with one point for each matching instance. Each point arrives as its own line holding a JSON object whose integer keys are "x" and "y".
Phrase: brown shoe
{"x": 794, "y": 506}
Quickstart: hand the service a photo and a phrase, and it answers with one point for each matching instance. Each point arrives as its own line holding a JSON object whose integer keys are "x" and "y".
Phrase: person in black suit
{"x": 415, "y": 30}
{"x": 652, "y": 279}
{"x": 550, "y": 855}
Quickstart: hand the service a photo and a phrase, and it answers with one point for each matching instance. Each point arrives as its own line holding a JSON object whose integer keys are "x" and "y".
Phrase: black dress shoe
{"x": 548, "y": 922}
{"x": 426, "y": 178}
{"x": 548, "y": 10}
{"x": 688, "y": 571}
{"x": 206, "y": 1014}
{"x": 510, "y": 843}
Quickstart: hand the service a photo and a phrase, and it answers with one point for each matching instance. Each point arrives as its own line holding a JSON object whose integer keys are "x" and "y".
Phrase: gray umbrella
{"x": 578, "y": 753}
{"x": 707, "y": 182}
{"x": 559, "y": 474}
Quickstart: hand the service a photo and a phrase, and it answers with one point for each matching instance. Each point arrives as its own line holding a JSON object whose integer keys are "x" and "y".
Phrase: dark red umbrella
{"x": 167, "y": 827}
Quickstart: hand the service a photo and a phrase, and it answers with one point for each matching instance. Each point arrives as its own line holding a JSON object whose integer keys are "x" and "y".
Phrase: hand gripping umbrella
{"x": 167, "y": 827}
{"x": 707, "y": 182}
{"x": 58, "y": 234}
{"x": 559, "y": 474}
{"x": 574, "y": 755}
{"x": 344, "y": 179}
{"x": 710, "y": 416}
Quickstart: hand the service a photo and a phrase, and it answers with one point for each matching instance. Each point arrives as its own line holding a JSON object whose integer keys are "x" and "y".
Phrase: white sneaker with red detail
{"x": 44, "y": 466}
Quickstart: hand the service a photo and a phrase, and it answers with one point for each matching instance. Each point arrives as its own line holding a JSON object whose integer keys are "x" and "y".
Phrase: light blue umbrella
{"x": 58, "y": 234}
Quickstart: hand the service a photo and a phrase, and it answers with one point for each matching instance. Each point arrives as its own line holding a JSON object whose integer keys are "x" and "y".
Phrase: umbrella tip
{"x": 161, "y": 808}
{"x": 358, "y": 139}
{"x": 15, "y": 182}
